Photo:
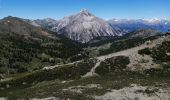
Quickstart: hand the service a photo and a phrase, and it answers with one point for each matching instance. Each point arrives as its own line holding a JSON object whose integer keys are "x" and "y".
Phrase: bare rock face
{"x": 84, "y": 26}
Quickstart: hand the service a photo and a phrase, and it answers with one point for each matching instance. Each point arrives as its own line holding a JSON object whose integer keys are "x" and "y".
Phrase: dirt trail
{"x": 92, "y": 71}
{"x": 55, "y": 66}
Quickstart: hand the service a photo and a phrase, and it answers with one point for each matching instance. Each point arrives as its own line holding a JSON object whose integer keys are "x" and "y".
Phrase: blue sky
{"x": 106, "y": 9}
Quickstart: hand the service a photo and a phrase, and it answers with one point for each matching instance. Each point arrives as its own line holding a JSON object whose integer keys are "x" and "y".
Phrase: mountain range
{"x": 84, "y": 26}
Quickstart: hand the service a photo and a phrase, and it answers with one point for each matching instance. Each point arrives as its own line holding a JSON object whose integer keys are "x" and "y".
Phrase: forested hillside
{"x": 24, "y": 47}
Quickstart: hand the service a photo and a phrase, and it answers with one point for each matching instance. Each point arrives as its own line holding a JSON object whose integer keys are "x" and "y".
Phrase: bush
{"x": 145, "y": 51}
{"x": 159, "y": 52}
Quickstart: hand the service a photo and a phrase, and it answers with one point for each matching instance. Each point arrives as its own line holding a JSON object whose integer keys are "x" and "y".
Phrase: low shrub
{"x": 113, "y": 64}
{"x": 159, "y": 53}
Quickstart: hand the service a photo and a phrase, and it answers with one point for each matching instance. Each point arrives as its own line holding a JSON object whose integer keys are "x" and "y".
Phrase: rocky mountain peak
{"x": 84, "y": 26}
{"x": 85, "y": 12}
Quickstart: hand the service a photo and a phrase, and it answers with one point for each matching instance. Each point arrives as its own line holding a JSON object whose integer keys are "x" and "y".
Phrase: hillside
{"x": 26, "y": 48}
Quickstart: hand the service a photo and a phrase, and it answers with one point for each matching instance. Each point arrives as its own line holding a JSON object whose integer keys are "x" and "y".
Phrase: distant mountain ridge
{"x": 130, "y": 25}
{"x": 143, "y": 33}
{"x": 18, "y": 26}
{"x": 47, "y": 23}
